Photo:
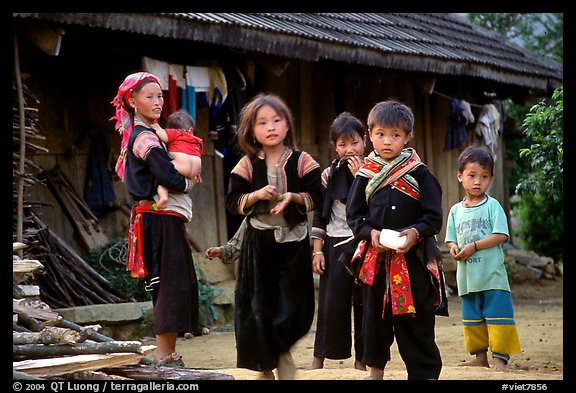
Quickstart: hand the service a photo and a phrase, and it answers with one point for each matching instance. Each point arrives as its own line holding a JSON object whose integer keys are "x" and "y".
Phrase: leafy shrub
{"x": 539, "y": 202}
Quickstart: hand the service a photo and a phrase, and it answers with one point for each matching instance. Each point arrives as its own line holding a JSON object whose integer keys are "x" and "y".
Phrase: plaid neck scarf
{"x": 382, "y": 173}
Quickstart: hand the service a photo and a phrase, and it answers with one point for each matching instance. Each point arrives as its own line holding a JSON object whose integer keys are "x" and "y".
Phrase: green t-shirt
{"x": 485, "y": 269}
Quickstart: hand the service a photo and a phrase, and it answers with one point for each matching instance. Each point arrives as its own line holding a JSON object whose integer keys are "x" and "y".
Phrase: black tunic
{"x": 392, "y": 209}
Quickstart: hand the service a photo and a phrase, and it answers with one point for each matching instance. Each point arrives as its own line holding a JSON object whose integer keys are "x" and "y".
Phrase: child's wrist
{"x": 415, "y": 230}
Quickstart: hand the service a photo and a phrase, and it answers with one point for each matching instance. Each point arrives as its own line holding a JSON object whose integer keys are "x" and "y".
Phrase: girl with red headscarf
{"x": 158, "y": 249}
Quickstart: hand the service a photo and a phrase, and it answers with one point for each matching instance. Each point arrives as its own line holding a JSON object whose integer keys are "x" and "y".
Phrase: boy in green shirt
{"x": 475, "y": 231}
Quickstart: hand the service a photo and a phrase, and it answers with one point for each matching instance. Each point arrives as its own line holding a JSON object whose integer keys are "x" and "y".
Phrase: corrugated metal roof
{"x": 425, "y": 42}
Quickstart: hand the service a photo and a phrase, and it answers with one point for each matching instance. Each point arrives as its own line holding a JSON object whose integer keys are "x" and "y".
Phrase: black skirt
{"x": 274, "y": 300}
{"x": 338, "y": 291}
{"x": 168, "y": 256}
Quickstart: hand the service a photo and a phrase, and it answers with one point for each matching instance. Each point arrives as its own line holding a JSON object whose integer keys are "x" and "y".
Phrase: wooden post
{"x": 21, "y": 164}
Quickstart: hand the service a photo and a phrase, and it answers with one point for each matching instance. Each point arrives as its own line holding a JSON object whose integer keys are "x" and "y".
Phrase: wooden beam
{"x": 70, "y": 364}
{"x": 44, "y": 37}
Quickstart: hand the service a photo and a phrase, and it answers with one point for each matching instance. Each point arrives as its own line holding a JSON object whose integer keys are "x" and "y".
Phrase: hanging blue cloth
{"x": 189, "y": 100}
{"x": 98, "y": 190}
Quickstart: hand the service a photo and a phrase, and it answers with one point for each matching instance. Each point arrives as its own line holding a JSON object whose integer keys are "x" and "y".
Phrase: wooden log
{"x": 18, "y": 246}
{"x": 85, "y": 331}
{"x": 45, "y": 315}
{"x": 48, "y": 335}
{"x": 35, "y": 351}
{"x": 66, "y": 249}
{"x": 69, "y": 364}
{"x": 146, "y": 372}
{"x": 23, "y": 376}
{"x": 30, "y": 323}
{"x": 93, "y": 376}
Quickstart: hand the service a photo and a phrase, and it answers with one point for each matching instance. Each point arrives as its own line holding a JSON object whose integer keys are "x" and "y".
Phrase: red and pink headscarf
{"x": 124, "y": 118}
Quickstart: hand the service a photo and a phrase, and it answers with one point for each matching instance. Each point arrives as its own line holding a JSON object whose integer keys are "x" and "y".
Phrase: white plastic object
{"x": 389, "y": 238}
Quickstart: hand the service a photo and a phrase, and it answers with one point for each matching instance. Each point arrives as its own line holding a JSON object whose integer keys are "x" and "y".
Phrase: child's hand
{"x": 466, "y": 252}
{"x": 283, "y": 201}
{"x": 411, "y": 240}
{"x": 267, "y": 193}
{"x": 156, "y": 127}
{"x": 454, "y": 250}
{"x": 355, "y": 163}
{"x": 197, "y": 179}
{"x": 318, "y": 263}
{"x": 375, "y": 236}
{"x": 212, "y": 252}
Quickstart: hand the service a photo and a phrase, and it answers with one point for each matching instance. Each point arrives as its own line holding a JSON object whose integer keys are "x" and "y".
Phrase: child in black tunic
{"x": 338, "y": 290}
{"x": 275, "y": 186}
{"x": 402, "y": 289}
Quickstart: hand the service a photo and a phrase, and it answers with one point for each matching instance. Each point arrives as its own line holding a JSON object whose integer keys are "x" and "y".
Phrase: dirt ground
{"x": 539, "y": 320}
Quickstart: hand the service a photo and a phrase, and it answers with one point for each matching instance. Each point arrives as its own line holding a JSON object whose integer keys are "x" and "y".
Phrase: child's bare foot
{"x": 286, "y": 367}
{"x": 481, "y": 360}
{"x": 358, "y": 365}
{"x": 500, "y": 364}
{"x": 476, "y": 363}
{"x": 266, "y": 375}
{"x": 376, "y": 374}
{"x": 317, "y": 363}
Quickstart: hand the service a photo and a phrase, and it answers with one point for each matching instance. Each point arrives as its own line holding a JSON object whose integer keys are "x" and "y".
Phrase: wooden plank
{"x": 70, "y": 364}
{"x": 25, "y": 265}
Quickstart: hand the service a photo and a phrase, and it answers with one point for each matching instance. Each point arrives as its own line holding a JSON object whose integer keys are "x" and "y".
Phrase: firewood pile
{"x": 47, "y": 346}
{"x": 49, "y": 274}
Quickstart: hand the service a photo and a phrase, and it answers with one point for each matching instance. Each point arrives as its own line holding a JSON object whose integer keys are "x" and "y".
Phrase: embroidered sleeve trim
{"x": 144, "y": 143}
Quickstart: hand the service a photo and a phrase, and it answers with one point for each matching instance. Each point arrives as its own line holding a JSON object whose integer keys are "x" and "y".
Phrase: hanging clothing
{"x": 98, "y": 190}
{"x": 488, "y": 126}
{"x": 459, "y": 116}
{"x": 500, "y": 107}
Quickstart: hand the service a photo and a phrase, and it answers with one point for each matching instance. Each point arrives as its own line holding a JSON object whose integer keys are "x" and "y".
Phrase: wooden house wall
{"x": 75, "y": 90}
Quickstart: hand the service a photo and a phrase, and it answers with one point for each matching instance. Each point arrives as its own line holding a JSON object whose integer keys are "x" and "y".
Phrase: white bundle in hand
{"x": 389, "y": 238}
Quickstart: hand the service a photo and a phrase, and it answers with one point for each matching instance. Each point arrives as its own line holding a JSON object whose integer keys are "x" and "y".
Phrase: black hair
{"x": 393, "y": 114}
{"x": 480, "y": 155}
{"x": 247, "y": 119}
{"x": 345, "y": 125}
{"x": 180, "y": 120}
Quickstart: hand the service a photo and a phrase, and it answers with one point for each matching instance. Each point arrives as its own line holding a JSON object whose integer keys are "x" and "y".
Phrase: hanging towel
{"x": 159, "y": 68}
{"x": 488, "y": 126}
{"x": 199, "y": 77}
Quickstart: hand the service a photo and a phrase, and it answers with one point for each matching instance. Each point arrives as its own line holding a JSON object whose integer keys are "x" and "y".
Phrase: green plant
{"x": 544, "y": 130}
{"x": 206, "y": 293}
{"x": 110, "y": 262}
{"x": 539, "y": 201}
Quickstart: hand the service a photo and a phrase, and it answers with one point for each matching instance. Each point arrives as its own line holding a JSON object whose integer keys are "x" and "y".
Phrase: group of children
{"x": 394, "y": 294}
